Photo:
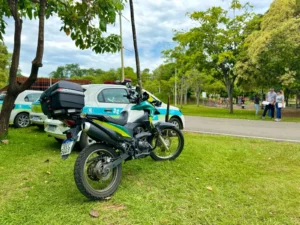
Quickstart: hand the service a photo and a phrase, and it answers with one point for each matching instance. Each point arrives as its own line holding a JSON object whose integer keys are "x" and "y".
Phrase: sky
{"x": 155, "y": 25}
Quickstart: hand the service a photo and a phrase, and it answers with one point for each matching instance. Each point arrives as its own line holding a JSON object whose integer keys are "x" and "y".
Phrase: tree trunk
{"x": 137, "y": 60}
{"x": 286, "y": 97}
{"x": 8, "y": 106}
{"x": 13, "y": 88}
{"x": 185, "y": 94}
{"x": 229, "y": 88}
{"x": 159, "y": 88}
{"x": 198, "y": 95}
{"x": 181, "y": 91}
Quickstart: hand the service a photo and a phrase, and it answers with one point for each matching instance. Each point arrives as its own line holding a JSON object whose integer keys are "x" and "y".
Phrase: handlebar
{"x": 135, "y": 97}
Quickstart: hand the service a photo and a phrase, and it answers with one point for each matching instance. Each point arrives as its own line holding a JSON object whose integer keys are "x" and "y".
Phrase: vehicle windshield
{"x": 32, "y": 97}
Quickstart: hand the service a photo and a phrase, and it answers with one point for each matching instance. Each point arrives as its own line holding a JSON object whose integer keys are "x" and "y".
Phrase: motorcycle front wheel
{"x": 90, "y": 178}
{"x": 169, "y": 145}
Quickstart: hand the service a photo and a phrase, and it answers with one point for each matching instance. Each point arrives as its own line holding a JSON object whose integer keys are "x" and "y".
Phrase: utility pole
{"x": 137, "y": 60}
{"x": 122, "y": 48}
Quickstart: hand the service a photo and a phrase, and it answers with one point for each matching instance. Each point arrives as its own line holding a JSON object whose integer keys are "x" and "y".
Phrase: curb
{"x": 243, "y": 136}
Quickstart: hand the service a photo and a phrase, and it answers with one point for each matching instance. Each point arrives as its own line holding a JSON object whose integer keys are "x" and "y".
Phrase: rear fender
{"x": 163, "y": 125}
{"x": 75, "y": 131}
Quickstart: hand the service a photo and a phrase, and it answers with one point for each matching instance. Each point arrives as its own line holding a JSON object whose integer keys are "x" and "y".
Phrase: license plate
{"x": 67, "y": 146}
{"x": 35, "y": 118}
{"x": 52, "y": 128}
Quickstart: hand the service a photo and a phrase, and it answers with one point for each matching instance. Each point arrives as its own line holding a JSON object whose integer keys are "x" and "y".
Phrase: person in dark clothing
{"x": 243, "y": 100}
{"x": 256, "y": 104}
{"x": 271, "y": 98}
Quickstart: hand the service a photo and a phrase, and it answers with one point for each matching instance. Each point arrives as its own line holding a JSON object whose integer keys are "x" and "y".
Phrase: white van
{"x": 20, "y": 114}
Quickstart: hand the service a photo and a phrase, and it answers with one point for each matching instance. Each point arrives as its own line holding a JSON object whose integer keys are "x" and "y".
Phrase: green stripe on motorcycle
{"x": 117, "y": 128}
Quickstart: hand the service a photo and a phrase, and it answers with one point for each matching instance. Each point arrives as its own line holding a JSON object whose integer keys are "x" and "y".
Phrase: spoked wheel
{"x": 169, "y": 145}
{"x": 91, "y": 179}
{"x": 22, "y": 120}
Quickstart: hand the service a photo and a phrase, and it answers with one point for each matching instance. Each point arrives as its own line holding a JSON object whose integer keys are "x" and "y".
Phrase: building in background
{"x": 42, "y": 84}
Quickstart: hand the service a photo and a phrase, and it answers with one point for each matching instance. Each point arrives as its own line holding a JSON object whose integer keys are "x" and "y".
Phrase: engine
{"x": 143, "y": 147}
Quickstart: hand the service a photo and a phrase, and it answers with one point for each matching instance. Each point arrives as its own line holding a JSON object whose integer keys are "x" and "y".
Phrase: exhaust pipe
{"x": 85, "y": 127}
{"x": 97, "y": 134}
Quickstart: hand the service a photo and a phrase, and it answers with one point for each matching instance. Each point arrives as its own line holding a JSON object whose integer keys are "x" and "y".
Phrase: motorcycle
{"x": 98, "y": 167}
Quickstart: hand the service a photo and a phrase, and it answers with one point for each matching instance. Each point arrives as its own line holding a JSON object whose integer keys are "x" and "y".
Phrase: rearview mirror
{"x": 158, "y": 103}
{"x": 145, "y": 96}
{"x": 128, "y": 85}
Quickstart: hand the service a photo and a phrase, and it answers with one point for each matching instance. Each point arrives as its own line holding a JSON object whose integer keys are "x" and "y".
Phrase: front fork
{"x": 158, "y": 130}
{"x": 163, "y": 142}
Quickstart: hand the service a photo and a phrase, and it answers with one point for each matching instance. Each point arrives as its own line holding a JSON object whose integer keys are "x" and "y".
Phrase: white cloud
{"x": 155, "y": 22}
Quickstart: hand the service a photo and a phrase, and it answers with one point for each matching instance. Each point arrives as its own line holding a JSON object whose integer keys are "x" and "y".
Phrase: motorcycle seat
{"x": 122, "y": 120}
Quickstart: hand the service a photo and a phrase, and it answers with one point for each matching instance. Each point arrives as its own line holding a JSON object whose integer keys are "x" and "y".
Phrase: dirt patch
{"x": 291, "y": 113}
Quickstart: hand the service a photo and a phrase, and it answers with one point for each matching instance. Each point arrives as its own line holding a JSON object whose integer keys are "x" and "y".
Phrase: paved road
{"x": 280, "y": 131}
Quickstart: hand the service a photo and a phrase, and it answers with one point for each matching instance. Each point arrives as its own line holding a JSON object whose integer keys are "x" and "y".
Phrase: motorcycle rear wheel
{"x": 174, "y": 141}
{"x": 90, "y": 179}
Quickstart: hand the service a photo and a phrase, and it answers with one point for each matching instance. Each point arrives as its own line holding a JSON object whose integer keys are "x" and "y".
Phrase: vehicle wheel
{"x": 174, "y": 142}
{"x": 90, "y": 179}
{"x": 176, "y": 122}
{"x": 85, "y": 140}
{"x": 22, "y": 120}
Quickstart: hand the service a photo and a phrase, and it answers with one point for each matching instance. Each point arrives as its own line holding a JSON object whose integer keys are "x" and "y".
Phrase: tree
{"x": 146, "y": 75}
{"x": 129, "y": 73}
{"x": 67, "y": 71}
{"x": 110, "y": 75}
{"x": 4, "y": 62}
{"x": 197, "y": 80}
{"x": 78, "y": 20}
{"x": 272, "y": 52}
{"x": 249, "y": 75}
{"x": 161, "y": 82}
{"x": 181, "y": 65}
{"x": 217, "y": 41}
{"x": 92, "y": 72}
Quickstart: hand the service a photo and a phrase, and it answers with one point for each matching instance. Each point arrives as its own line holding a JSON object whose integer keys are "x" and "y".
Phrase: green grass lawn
{"x": 216, "y": 180}
{"x": 193, "y": 110}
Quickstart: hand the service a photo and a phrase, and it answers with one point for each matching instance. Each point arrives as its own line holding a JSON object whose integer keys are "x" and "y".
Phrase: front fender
{"x": 162, "y": 125}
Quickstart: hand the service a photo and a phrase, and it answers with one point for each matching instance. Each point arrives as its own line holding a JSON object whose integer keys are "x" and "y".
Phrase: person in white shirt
{"x": 271, "y": 98}
{"x": 279, "y": 105}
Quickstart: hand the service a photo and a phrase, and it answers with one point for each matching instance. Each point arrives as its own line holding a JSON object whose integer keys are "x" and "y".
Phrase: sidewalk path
{"x": 279, "y": 131}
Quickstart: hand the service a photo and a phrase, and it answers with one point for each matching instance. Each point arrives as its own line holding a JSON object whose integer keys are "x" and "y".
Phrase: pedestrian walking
{"x": 271, "y": 99}
{"x": 279, "y": 105}
{"x": 256, "y": 104}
